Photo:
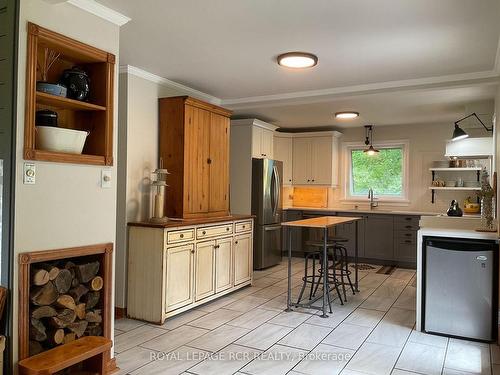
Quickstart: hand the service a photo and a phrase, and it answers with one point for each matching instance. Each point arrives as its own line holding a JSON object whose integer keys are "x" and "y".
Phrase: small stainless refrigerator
{"x": 460, "y": 287}
{"x": 267, "y": 207}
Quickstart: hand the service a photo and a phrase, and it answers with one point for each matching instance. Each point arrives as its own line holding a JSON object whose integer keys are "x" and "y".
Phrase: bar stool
{"x": 312, "y": 255}
{"x": 317, "y": 279}
{"x": 339, "y": 267}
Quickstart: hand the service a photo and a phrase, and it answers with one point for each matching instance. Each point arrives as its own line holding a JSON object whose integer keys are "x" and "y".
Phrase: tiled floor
{"x": 247, "y": 332}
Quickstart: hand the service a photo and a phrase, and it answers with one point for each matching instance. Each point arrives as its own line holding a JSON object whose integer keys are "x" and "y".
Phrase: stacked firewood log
{"x": 65, "y": 304}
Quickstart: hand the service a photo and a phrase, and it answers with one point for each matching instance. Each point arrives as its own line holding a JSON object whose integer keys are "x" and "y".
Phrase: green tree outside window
{"x": 382, "y": 172}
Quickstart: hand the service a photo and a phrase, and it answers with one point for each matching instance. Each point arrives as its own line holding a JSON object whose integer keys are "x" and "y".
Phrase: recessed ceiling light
{"x": 297, "y": 60}
{"x": 346, "y": 115}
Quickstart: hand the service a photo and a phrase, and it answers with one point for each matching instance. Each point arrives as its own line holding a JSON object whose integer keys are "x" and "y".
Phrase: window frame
{"x": 348, "y": 147}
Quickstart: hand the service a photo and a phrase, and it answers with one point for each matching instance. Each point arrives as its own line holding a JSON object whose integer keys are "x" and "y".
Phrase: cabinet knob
{"x": 407, "y": 241}
{"x": 203, "y": 232}
{"x": 313, "y": 180}
{"x": 408, "y": 235}
{"x": 244, "y": 226}
{"x": 181, "y": 235}
{"x": 227, "y": 229}
{"x": 236, "y": 242}
{"x": 290, "y": 180}
{"x": 209, "y": 161}
{"x": 192, "y": 251}
{"x": 408, "y": 227}
{"x": 308, "y": 180}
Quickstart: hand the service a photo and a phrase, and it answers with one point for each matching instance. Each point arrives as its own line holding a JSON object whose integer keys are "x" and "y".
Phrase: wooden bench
{"x": 90, "y": 349}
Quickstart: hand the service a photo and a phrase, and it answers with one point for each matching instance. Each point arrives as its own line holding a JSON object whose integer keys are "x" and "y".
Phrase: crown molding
{"x": 254, "y": 122}
{"x": 301, "y": 97}
{"x": 138, "y": 72}
{"x": 101, "y": 11}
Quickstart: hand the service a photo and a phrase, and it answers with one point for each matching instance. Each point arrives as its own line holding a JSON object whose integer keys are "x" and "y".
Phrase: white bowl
{"x": 60, "y": 139}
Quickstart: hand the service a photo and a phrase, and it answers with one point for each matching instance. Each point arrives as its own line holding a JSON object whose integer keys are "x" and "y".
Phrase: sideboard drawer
{"x": 218, "y": 230}
{"x": 243, "y": 226}
{"x": 182, "y": 235}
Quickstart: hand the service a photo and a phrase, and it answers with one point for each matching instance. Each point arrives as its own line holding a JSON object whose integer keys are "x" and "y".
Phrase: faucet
{"x": 373, "y": 204}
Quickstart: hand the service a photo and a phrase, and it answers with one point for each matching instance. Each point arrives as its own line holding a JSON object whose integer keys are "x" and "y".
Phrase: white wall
{"x": 138, "y": 157}
{"x": 426, "y": 144}
{"x": 66, "y": 207}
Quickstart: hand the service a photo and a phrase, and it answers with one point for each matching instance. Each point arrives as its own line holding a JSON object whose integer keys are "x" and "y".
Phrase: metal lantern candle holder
{"x": 160, "y": 185}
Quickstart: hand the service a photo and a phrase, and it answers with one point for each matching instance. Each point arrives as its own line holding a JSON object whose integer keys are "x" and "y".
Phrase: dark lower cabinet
{"x": 379, "y": 237}
{"x": 389, "y": 239}
{"x": 348, "y": 231}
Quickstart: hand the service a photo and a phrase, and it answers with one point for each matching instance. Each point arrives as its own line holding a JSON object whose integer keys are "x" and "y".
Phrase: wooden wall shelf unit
{"x": 94, "y": 115}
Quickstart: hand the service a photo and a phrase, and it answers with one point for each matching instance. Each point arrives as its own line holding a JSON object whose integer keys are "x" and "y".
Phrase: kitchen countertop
{"x": 189, "y": 222}
{"x": 362, "y": 211}
{"x": 458, "y": 233}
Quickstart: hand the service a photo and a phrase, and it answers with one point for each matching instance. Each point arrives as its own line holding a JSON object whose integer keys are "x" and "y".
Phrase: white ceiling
{"x": 227, "y": 48}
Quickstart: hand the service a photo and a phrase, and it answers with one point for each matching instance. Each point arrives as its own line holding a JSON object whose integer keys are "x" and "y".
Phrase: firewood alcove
{"x": 64, "y": 294}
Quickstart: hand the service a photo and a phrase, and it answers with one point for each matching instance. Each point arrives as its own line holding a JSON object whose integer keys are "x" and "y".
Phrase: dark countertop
{"x": 189, "y": 222}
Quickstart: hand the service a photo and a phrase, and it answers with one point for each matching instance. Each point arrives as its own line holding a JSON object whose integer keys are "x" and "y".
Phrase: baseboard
{"x": 120, "y": 312}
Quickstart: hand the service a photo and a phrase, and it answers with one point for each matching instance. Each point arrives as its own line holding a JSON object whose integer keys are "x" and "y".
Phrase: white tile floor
{"x": 247, "y": 332}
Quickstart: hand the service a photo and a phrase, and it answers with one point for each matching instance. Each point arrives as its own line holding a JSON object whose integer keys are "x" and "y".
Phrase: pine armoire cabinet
{"x": 194, "y": 147}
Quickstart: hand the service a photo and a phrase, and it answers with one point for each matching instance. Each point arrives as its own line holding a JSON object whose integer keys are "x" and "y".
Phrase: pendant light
{"x": 369, "y": 141}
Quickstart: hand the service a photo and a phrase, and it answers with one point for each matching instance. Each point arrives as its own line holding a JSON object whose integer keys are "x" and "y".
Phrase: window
{"x": 384, "y": 172}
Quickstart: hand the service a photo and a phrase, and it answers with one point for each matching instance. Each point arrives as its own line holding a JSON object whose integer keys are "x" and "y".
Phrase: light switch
{"x": 29, "y": 174}
{"x": 106, "y": 178}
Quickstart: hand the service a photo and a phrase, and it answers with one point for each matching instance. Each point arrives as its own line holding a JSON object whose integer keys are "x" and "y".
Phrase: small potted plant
{"x": 43, "y": 66}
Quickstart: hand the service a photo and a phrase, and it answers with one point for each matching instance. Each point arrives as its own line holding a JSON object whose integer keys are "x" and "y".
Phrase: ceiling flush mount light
{"x": 369, "y": 141}
{"x": 297, "y": 60}
{"x": 459, "y": 133}
{"x": 346, "y": 115}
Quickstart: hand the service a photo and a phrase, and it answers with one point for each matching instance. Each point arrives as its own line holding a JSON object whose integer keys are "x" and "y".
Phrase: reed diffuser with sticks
{"x": 43, "y": 67}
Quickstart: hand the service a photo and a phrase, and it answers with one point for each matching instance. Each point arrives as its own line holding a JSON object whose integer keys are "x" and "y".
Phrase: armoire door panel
{"x": 196, "y": 160}
{"x": 219, "y": 165}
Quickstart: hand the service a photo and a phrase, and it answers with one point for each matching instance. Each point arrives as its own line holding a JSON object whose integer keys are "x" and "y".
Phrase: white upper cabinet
{"x": 283, "y": 152}
{"x": 266, "y": 143}
{"x": 256, "y": 133}
{"x": 262, "y": 142}
{"x": 315, "y": 158}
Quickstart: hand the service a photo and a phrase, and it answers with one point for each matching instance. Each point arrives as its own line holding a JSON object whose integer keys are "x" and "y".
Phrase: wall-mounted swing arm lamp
{"x": 459, "y": 133}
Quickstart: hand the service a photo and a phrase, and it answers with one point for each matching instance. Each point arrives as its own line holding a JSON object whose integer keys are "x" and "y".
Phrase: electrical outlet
{"x": 106, "y": 178}
{"x": 29, "y": 175}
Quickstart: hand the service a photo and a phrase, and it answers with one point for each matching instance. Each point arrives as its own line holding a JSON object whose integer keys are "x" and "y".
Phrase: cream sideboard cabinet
{"x": 175, "y": 267}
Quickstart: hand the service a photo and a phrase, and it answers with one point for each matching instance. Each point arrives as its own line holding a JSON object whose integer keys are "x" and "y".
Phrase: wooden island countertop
{"x": 172, "y": 223}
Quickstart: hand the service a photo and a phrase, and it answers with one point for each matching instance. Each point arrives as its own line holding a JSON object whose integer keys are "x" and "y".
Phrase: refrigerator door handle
{"x": 276, "y": 192}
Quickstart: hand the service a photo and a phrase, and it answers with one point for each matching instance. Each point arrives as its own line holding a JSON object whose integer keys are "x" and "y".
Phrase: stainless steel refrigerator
{"x": 267, "y": 207}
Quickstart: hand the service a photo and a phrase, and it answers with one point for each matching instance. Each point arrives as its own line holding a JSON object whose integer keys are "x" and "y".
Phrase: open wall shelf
{"x": 476, "y": 170}
{"x": 94, "y": 116}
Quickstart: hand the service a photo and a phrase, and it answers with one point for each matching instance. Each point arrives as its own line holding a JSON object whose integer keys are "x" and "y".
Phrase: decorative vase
{"x": 77, "y": 82}
{"x": 486, "y": 194}
{"x": 487, "y": 213}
